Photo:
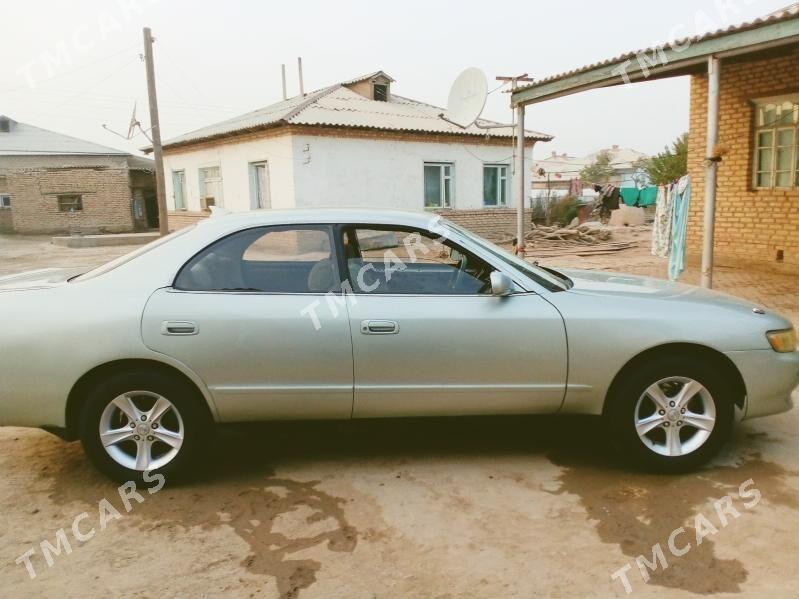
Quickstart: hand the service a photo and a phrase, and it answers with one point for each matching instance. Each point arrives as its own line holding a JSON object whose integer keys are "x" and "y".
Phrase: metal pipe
{"x": 299, "y": 69}
{"x": 283, "y": 73}
{"x": 520, "y": 188}
{"x": 711, "y": 169}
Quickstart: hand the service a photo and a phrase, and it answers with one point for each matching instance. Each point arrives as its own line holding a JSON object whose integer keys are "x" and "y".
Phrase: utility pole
{"x": 519, "y": 162}
{"x": 155, "y": 132}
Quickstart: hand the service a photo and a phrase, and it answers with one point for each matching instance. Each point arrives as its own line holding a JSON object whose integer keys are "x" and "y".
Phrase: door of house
{"x": 260, "y": 185}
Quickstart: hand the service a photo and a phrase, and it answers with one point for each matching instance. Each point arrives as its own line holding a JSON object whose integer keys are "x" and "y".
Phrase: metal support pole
{"x": 711, "y": 169}
{"x": 155, "y": 132}
{"x": 520, "y": 178}
{"x": 283, "y": 74}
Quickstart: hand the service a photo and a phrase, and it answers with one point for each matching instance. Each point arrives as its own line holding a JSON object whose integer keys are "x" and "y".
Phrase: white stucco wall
{"x": 234, "y": 160}
{"x": 335, "y": 171}
{"x": 306, "y": 170}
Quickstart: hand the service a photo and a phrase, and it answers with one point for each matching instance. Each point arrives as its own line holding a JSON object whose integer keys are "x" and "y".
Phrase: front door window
{"x": 406, "y": 261}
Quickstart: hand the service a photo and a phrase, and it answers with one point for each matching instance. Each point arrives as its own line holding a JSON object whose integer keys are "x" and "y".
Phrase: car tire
{"x": 169, "y": 443}
{"x": 668, "y": 431}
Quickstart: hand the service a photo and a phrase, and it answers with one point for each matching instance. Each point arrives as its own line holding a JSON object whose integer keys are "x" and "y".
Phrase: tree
{"x": 668, "y": 165}
{"x": 600, "y": 171}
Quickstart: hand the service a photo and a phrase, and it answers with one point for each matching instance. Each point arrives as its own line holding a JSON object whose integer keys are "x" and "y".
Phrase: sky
{"x": 74, "y": 66}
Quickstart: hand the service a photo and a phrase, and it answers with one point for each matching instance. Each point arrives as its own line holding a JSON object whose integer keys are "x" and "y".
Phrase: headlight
{"x": 782, "y": 341}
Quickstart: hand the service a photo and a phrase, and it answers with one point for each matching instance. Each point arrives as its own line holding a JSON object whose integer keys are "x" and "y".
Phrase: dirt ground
{"x": 479, "y": 507}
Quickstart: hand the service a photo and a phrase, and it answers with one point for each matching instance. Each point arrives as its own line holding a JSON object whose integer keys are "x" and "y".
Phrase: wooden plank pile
{"x": 586, "y": 239}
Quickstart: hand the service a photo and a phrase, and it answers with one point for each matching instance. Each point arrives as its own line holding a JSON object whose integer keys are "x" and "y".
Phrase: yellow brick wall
{"x": 750, "y": 224}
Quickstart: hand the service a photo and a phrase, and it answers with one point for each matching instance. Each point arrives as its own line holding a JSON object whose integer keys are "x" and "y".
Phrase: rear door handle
{"x": 379, "y": 327}
{"x": 179, "y": 327}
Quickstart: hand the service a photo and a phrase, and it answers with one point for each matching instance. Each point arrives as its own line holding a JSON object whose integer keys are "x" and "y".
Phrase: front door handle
{"x": 179, "y": 327}
{"x": 379, "y": 327}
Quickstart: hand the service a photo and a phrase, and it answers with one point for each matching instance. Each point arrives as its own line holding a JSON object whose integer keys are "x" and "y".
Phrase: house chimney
{"x": 554, "y": 154}
{"x": 615, "y": 147}
{"x": 5, "y": 124}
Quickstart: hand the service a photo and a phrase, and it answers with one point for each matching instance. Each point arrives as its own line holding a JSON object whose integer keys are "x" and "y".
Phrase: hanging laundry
{"x": 630, "y": 195}
{"x": 681, "y": 199}
{"x": 609, "y": 200}
{"x": 648, "y": 196}
{"x": 661, "y": 229}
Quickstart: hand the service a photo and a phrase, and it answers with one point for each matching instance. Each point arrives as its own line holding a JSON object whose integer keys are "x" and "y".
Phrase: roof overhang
{"x": 669, "y": 60}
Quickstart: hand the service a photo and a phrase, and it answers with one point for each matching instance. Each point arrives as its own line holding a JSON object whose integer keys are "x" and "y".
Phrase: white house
{"x": 355, "y": 143}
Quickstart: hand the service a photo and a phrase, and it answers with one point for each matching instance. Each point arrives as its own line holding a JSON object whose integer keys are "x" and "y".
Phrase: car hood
{"x": 630, "y": 286}
{"x": 39, "y": 279}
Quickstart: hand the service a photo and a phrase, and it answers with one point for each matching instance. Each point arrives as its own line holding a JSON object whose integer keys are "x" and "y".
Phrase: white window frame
{"x": 775, "y": 130}
{"x": 204, "y": 180}
{"x": 5, "y": 200}
{"x": 444, "y": 202}
{"x": 503, "y": 181}
{"x": 254, "y": 184}
{"x": 179, "y": 175}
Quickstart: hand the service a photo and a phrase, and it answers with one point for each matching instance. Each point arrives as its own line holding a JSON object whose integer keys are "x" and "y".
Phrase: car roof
{"x": 382, "y": 216}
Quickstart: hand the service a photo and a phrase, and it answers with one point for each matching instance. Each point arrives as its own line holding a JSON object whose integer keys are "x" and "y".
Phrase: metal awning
{"x": 683, "y": 57}
{"x": 700, "y": 54}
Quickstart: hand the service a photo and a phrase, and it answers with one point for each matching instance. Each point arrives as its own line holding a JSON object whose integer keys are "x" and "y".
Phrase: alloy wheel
{"x": 141, "y": 430}
{"x": 675, "y": 416}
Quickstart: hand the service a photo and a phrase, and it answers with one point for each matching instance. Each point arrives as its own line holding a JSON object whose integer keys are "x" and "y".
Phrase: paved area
{"x": 486, "y": 507}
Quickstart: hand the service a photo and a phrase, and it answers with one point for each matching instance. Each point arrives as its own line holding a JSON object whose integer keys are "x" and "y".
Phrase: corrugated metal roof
{"x": 339, "y": 106}
{"x": 785, "y": 14}
{"x": 26, "y": 140}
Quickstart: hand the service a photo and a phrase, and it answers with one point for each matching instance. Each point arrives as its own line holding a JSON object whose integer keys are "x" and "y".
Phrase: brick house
{"x": 757, "y": 202}
{"x": 355, "y": 143}
{"x": 53, "y": 183}
{"x": 755, "y": 161}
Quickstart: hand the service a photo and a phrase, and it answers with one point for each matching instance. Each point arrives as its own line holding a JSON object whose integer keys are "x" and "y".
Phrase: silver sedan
{"x": 343, "y": 314}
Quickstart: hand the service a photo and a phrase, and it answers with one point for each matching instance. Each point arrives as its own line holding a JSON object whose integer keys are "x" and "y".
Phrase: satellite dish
{"x": 467, "y": 98}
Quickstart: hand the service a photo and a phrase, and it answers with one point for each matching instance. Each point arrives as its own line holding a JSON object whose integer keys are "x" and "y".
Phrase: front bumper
{"x": 770, "y": 378}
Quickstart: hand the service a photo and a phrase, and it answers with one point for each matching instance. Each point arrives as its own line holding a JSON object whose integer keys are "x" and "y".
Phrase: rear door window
{"x": 284, "y": 259}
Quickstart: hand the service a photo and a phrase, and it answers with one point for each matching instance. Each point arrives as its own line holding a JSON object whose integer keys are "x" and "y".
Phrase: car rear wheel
{"x": 671, "y": 415}
{"x": 137, "y": 422}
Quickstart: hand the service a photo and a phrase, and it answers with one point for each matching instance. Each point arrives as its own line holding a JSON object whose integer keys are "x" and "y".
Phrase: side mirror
{"x": 501, "y": 283}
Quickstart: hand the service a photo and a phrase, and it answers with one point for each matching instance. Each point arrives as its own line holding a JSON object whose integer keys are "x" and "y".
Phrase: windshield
{"x": 109, "y": 266}
{"x": 551, "y": 279}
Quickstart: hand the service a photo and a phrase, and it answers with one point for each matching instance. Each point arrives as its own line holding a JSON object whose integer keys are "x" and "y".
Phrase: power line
{"x": 72, "y": 71}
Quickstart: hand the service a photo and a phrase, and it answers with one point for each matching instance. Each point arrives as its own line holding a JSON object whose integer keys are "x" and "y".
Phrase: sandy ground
{"x": 483, "y": 507}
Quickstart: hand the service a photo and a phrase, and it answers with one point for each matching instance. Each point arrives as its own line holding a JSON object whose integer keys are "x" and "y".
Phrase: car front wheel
{"x": 137, "y": 422}
{"x": 671, "y": 415}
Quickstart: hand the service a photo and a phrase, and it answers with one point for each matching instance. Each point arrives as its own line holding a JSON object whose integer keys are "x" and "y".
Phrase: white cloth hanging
{"x": 661, "y": 229}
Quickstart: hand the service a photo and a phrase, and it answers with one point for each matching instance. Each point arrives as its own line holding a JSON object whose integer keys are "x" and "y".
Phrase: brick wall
{"x": 34, "y": 182}
{"x": 751, "y": 225}
{"x": 184, "y": 218}
{"x": 6, "y": 221}
{"x": 491, "y": 223}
